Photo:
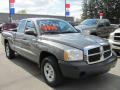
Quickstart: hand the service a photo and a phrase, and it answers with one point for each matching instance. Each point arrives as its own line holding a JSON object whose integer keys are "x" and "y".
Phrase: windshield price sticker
{"x": 49, "y": 28}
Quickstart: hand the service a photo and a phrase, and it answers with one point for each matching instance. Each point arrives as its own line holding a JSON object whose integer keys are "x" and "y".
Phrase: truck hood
{"x": 75, "y": 40}
{"x": 117, "y": 30}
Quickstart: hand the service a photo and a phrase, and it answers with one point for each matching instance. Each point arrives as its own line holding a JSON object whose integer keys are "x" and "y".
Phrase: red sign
{"x": 49, "y": 28}
{"x": 67, "y": 5}
{"x": 12, "y": 1}
{"x": 101, "y": 14}
{"x": 11, "y": 5}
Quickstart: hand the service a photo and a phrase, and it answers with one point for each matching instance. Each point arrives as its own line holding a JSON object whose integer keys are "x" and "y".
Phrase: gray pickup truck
{"x": 59, "y": 49}
{"x": 97, "y": 27}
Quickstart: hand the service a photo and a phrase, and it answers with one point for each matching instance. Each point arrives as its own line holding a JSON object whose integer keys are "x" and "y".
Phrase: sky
{"x": 44, "y": 7}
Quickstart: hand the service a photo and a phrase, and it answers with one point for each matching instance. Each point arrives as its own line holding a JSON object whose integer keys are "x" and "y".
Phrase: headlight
{"x": 86, "y": 32}
{"x": 111, "y": 36}
{"x": 73, "y": 55}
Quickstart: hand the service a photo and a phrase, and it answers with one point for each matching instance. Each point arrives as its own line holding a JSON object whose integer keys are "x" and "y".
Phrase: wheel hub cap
{"x": 7, "y": 50}
{"x": 49, "y": 72}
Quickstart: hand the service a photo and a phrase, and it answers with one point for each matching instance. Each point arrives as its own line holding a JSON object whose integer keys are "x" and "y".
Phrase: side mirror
{"x": 28, "y": 32}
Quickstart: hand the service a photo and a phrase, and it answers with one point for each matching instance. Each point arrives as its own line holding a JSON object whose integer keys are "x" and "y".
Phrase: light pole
{"x": 65, "y": 11}
{"x": 10, "y": 18}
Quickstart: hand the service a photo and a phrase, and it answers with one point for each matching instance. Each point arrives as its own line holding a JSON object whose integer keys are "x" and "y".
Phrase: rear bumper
{"x": 76, "y": 69}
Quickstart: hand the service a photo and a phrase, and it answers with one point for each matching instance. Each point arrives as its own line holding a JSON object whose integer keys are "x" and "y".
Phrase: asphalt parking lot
{"x": 21, "y": 74}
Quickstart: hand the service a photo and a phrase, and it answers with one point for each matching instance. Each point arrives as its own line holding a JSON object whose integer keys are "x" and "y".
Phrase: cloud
{"x": 4, "y": 5}
{"x": 50, "y": 7}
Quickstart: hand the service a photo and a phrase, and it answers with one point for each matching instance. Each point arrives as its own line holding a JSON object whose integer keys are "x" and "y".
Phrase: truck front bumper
{"x": 115, "y": 45}
{"x": 82, "y": 68}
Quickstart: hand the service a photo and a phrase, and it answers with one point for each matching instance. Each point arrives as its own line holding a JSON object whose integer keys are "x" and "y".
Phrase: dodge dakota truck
{"x": 115, "y": 40}
{"x": 59, "y": 49}
{"x": 97, "y": 27}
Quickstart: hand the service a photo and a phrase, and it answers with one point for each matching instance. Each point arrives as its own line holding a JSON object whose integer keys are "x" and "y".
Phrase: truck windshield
{"x": 55, "y": 27}
{"x": 90, "y": 22}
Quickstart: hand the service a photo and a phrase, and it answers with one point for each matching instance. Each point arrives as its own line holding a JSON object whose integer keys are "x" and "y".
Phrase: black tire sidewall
{"x": 11, "y": 52}
{"x": 58, "y": 76}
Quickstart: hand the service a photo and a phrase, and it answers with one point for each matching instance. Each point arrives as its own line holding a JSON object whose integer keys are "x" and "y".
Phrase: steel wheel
{"x": 49, "y": 72}
{"x": 7, "y": 51}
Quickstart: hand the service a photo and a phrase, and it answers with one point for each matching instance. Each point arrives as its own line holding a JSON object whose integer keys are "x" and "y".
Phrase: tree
{"x": 110, "y": 8}
{"x": 22, "y": 12}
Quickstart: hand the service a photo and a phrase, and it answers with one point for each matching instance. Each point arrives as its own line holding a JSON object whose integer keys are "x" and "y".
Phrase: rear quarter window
{"x": 107, "y": 23}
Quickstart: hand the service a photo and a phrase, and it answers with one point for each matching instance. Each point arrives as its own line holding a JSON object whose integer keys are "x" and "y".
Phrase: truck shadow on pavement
{"x": 104, "y": 82}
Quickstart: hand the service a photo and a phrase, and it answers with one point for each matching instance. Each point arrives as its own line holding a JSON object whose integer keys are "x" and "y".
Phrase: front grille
{"x": 117, "y": 36}
{"x": 98, "y": 53}
{"x": 116, "y": 45}
{"x": 94, "y": 50}
{"x": 94, "y": 58}
{"x": 107, "y": 54}
{"x": 106, "y": 47}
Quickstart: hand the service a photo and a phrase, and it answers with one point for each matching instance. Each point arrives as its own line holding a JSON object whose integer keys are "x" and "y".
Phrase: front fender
{"x": 54, "y": 50}
{"x": 9, "y": 37}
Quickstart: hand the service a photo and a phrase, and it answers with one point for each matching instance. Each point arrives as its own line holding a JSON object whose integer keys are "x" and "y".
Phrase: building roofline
{"x": 39, "y": 15}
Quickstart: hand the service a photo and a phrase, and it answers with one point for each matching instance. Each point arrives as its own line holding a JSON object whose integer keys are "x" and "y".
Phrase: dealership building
{"x": 4, "y": 17}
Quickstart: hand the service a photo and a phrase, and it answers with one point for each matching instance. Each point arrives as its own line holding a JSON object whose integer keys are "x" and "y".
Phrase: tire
{"x": 10, "y": 54}
{"x": 51, "y": 72}
{"x": 94, "y": 34}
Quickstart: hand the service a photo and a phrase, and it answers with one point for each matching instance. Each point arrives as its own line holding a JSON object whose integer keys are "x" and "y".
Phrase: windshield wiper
{"x": 69, "y": 32}
{"x": 51, "y": 32}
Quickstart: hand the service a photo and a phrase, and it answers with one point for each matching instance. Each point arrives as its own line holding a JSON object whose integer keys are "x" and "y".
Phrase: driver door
{"x": 30, "y": 41}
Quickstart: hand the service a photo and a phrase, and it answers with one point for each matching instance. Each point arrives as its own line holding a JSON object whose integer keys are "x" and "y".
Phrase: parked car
{"x": 59, "y": 49}
{"x": 97, "y": 27}
{"x": 115, "y": 40}
{"x": 8, "y": 26}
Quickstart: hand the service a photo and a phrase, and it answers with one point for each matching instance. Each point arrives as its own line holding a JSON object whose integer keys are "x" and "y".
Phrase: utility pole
{"x": 10, "y": 17}
{"x": 86, "y": 9}
{"x": 65, "y": 11}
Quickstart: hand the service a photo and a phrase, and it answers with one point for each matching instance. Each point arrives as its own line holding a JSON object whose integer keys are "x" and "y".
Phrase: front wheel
{"x": 51, "y": 72}
{"x": 9, "y": 52}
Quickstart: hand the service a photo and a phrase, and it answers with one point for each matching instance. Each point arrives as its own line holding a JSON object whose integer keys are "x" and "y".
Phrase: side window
{"x": 30, "y": 26}
{"x": 21, "y": 26}
{"x": 107, "y": 24}
{"x": 101, "y": 24}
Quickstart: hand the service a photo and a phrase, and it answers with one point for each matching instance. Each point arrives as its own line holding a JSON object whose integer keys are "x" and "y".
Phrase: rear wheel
{"x": 9, "y": 52}
{"x": 50, "y": 71}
